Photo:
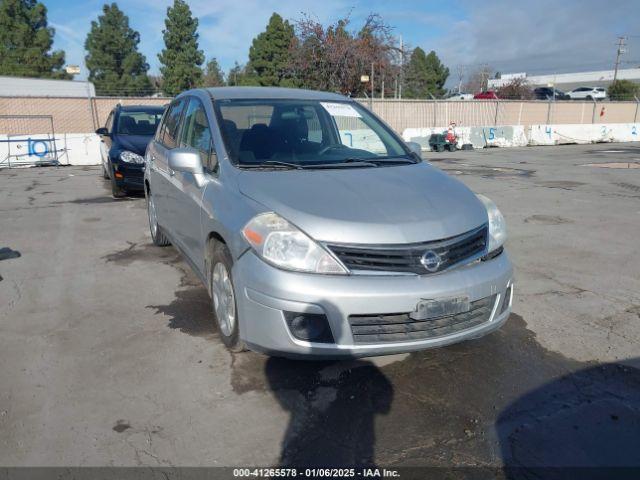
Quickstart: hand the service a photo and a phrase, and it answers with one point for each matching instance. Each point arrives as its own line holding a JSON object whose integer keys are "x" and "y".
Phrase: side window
{"x": 109, "y": 124}
{"x": 160, "y": 130}
{"x": 196, "y": 132}
{"x": 172, "y": 122}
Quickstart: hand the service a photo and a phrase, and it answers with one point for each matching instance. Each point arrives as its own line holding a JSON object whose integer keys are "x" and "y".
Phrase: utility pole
{"x": 619, "y": 52}
{"x": 372, "y": 94}
{"x": 401, "y": 67}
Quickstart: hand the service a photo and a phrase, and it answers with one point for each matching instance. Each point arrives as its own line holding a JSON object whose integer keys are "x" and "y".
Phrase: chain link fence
{"x": 402, "y": 114}
{"x": 85, "y": 115}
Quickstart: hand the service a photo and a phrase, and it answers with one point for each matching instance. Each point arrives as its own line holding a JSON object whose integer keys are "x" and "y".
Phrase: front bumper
{"x": 132, "y": 176}
{"x": 264, "y": 293}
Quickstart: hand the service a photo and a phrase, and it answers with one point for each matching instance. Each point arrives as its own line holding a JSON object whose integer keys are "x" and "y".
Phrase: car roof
{"x": 138, "y": 108}
{"x": 238, "y": 93}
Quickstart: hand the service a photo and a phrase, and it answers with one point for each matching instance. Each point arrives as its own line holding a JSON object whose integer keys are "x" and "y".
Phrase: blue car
{"x": 124, "y": 140}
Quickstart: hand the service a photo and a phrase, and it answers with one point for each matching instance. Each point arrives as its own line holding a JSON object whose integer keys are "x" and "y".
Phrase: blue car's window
{"x": 304, "y": 132}
{"x": 138, "y": 123}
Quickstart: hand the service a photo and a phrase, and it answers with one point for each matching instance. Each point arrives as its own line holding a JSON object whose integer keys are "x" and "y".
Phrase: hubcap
{"x": 153, "y": 219}
{"x": 223, "y": 299}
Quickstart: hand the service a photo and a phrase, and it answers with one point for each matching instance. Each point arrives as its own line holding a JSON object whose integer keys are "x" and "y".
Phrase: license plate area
{"x": 443, "y": 307}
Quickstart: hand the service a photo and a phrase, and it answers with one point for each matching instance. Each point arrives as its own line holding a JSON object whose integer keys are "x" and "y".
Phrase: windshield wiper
{"x": 346, "y": 163}
{"x": 272, "y": 164}
{"x": 393, "y": 160}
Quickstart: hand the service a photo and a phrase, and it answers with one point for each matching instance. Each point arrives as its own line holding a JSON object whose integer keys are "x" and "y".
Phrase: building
{"x": 569, "y": 81}
{"x": 44, "y": 87}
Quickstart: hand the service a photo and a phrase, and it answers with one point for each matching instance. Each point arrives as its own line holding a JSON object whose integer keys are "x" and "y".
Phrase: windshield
{"x": 306, "y": 134}
{"x": 138, "y": 123}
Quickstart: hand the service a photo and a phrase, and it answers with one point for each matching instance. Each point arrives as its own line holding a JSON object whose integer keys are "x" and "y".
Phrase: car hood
{"x": 383, "y": 205}
{"x": 133, "y": 143}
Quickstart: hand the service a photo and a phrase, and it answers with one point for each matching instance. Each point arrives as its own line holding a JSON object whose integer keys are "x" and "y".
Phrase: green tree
{"x": 242, "y": 75}
{"x": 623, "y": 90}
{"x": 116, "y": 67}
{"x": 26, "y": 40}
{"x": 213, "y": 76}
{"x": 425, "y": 75}
{"x": 269, "y": 55}
{"x": 181, "y": 59}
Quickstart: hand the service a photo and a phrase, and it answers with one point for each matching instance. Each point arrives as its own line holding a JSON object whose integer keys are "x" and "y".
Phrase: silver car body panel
{"x": 387, "y": 205}
{"x": 394, "y": 205}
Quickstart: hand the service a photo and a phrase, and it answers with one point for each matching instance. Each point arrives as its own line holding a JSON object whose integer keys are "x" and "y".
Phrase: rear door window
{"x": 169, "y": 134}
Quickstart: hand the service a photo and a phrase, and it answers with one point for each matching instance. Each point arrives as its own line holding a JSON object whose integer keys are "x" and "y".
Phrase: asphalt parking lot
{"x": 109, "y": 355}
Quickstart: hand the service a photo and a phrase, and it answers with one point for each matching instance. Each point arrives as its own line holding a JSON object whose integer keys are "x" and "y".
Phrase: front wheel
{"x": 116, "y": 191}
{"x": 223, "y": 297}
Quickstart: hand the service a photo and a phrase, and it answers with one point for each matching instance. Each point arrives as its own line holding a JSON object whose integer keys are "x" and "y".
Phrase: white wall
{"x": 518, "y": 136}
{"x": 84, "y": 148}
{"x": 72, "y": 148}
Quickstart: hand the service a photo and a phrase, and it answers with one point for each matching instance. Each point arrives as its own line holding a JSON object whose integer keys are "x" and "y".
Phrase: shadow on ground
{"x": 498, "y": 401}
{"x": 501, "y": 401}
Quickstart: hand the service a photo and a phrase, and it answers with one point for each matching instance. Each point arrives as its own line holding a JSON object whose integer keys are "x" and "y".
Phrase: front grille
{"x": 402, "y": 328}
{"x": 407, "y": 258}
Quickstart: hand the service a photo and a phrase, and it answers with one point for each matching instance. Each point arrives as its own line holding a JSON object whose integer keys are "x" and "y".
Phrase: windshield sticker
{"x": 340, "y": 109}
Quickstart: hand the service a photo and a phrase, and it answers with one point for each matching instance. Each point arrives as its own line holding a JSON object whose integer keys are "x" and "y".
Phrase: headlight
{"x": 497, "y": 225}
{"x": 130, "y": 157}
{"x": 278, "y": 242}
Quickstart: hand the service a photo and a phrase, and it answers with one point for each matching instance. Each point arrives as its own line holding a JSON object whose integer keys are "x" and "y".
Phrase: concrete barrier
{"x": 84, "y": 148}
{"x": 71, "y": 148}
{"x": 479, "y": 137}
{"x": 581, "y": 134}
{"x": 520, "y": 136}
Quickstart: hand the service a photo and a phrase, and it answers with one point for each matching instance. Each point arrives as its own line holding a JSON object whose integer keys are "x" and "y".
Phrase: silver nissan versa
{"x": 317, "y": 231}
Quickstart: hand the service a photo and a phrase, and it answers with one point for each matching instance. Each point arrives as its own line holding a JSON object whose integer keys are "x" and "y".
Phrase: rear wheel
{"x": 223, "y": 297}
{"x": 158, "y": 237}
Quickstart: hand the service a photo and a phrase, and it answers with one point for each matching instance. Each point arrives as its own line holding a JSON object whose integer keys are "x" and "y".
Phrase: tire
{"x": 589, "y": 97}
{"x": 157, "y": 235}
{"x": 440, "y": 148}
{"x": 116, "y": 191}
{"x": 453, "y": 147}
{"x": 223, "y": 297}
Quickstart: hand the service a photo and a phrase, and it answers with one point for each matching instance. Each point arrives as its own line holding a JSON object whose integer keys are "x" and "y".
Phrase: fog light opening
{"x": 309, "y": 327}
{"x": 508, "y": 297}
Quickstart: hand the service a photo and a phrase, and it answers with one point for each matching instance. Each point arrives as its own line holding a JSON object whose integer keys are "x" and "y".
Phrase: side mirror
{"x": 102, "y": 131}
{"x": 415, "y": 147}
{"x": 185, "y": 160}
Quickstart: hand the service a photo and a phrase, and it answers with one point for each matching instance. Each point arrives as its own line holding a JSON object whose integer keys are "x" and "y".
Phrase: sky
{"x": 536, "y": 37}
